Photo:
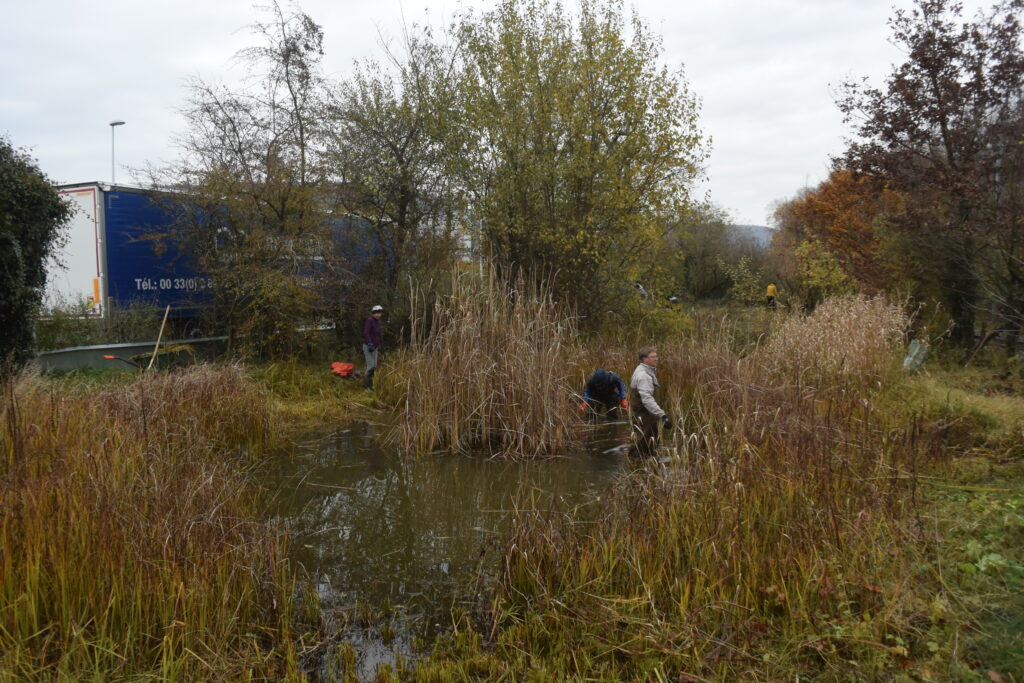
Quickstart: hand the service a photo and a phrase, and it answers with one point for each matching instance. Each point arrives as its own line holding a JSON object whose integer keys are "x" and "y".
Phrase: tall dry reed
{"x": 128, "y": 543}
{"x": 780, "y": 541}
{"x": 488, "y": 369}
{"x": 846, "y": 340}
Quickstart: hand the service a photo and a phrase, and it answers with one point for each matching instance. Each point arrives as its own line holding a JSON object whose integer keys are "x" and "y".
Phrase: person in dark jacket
{"x": 605, "y": 391}
{"x": 371, "y": 344}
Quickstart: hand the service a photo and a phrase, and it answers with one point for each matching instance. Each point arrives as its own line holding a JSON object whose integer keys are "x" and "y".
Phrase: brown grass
{"x": 129, "y": 546}
{"x": 780, "y": 540}
{"x": 845, "y": 340}
{"x": 488, "y": 369}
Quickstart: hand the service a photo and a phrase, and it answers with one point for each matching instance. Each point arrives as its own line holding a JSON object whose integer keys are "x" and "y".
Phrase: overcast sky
{"x": 765, "y": 70}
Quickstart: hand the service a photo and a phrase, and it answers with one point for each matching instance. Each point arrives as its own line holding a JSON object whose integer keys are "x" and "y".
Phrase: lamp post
{"x": 113, "y": 125}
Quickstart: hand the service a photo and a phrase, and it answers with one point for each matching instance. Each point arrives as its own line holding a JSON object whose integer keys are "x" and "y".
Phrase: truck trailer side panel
{"x": 76, "y": 276}
{"x": 139, "y": 270}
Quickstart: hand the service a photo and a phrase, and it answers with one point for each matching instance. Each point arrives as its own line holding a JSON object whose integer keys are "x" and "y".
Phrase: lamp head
{"x": 116, "y": 123}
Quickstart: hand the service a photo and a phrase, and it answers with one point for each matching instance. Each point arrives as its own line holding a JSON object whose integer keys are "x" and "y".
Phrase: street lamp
{"x": 113, "y": 124}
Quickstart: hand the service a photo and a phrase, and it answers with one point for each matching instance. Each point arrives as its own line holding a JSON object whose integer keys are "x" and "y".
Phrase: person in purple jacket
{"x": 371, "y": 344}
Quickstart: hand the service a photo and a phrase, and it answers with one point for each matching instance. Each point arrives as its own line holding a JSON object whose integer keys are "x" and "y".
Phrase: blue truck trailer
{"x": 110, "y": 258}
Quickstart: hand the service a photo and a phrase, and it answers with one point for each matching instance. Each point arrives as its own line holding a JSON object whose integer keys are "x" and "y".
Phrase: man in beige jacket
{"x": 643, "y": 405}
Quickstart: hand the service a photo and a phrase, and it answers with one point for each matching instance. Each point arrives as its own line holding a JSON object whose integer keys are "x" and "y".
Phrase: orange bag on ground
{"x": 342, "y": 369}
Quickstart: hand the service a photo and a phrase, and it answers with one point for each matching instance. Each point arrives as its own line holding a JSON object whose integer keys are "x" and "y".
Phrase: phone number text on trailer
{"x": 147, "y": 284}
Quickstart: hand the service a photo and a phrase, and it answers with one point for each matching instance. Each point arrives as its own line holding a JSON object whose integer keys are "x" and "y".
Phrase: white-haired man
{"x": 371, "y": 344}
{"x": 647, "y": 414}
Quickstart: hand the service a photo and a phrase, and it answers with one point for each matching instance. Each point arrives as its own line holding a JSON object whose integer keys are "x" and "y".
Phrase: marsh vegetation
{"x": 130, "y": 543}
{"x": 521, "y": 201}
{"x": 816, "y": 513}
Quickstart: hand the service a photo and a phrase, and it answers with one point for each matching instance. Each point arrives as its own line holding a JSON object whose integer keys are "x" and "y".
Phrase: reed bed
{"x": 489, "y": 368}
{"x": 128, "y": 546}
{"x": 781, "y": 541}
{"x": 845, "y": 340}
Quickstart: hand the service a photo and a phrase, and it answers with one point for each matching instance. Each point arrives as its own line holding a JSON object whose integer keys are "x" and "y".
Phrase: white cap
{"x": 377, "y": 309}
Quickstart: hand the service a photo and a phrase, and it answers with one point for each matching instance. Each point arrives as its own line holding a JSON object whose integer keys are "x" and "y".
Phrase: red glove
{"x": 624, "y": 404}
{"x": 584, "y": 406}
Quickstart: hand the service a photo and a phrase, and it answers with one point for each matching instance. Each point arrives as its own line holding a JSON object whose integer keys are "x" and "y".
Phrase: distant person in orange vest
{"x": 770, "y": 294}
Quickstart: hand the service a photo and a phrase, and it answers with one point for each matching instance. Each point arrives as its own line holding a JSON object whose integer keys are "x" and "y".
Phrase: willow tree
{"x": 580, "y": 145}
{"x": 391, "y": 135}
{"x": 249, "y": 187}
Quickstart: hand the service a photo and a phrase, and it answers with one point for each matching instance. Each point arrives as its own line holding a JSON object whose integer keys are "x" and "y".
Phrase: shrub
{"x": 639, "y": 321}
{"x": 69, "y": 323}
{"x": 820, "y": 273}
{"x": 32, "y": 219}
{"x": 747, "y": 287}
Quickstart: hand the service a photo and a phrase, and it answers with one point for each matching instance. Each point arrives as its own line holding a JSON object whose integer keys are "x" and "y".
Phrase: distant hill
{"x": 762, "y": 234}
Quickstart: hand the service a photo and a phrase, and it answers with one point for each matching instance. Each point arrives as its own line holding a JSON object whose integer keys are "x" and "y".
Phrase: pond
{"x": 391, "y": 541}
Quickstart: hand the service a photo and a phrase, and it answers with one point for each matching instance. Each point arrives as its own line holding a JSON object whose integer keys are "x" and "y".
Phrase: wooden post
{"x": 158, "y": 338}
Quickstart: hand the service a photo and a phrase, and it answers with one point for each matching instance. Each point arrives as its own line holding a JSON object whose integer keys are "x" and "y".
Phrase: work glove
{"x": 666, "y": 421}
{"x": 584, "y": 406}
{"x": 624, "y": 404}
{"x": 371, "y": 347}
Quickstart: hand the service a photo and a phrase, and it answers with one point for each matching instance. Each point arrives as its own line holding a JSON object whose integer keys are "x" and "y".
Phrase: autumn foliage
{"x": 927, "y": 196}
{"x": 845, "y": 214}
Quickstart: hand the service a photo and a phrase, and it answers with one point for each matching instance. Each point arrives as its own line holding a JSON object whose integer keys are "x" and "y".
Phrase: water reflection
{"x": 380, "y": 530}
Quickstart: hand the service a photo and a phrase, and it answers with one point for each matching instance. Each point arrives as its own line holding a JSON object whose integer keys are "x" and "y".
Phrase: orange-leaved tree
{"x": 847, "y": 214}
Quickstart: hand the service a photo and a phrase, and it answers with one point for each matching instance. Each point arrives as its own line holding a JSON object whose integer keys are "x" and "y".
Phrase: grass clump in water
{"x": 487, "y": 369}
{"x": 129, "y": 546}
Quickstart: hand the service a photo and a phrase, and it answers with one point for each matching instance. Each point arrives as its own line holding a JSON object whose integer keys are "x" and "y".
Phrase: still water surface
{"x": 377, "y": 531}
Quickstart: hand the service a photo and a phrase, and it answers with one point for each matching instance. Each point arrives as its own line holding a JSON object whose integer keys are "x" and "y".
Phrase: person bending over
{"x": 605, "y": 391}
